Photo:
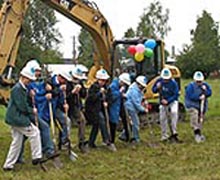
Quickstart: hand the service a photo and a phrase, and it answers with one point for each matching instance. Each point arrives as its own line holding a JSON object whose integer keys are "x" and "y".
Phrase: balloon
{"x": 150, "y": 43}
{"x": 139, "y": 57}
{"x": 132, "y": 49}
{"x": 140, "y": 48}
{"x": 148, "y": 52}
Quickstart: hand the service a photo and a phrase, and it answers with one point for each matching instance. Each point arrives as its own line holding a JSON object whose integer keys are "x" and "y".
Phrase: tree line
{"x": 41, "y": 39}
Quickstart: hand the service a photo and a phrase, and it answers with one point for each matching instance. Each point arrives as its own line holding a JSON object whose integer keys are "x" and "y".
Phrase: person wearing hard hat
{"x": 95, "y": 105}
{"x": 133, "y": 105}
{"x": 74, "y": 94}
{"x": 18, "y": 116}
{"x": 168, "y": 91}
{"x": 39, "y": 98}
{"x": 36, "y": 90}
{"x": 52, "y": 92}
{"x": 196, "y": 102}
{"x": 115, "y": 94}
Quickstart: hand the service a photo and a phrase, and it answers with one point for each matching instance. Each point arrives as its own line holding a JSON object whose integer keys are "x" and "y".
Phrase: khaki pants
{"x": 194, "y": 118}
{"x": 33, "y": 133}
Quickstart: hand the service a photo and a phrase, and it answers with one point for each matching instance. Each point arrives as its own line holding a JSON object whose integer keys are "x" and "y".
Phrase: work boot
{"x": 52, "y": 155}
{"x": 92, "y": 146}
{"x": 122, "y": 139}
{"x": 111, "y": 147}
{"x": 38, "y": 161}
{"x": 199, "y": 138}
{"x": 83, "y": 146}
{"x": 164, "y": 139}
{"x": 8, "y": 169}
{"x": 174, "y": 139}
{"x": 202, "y": 137}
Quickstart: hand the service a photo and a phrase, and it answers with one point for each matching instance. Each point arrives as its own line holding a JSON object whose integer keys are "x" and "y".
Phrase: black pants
{"x": 113, "y": 127}
{"x": 124, "y": 120}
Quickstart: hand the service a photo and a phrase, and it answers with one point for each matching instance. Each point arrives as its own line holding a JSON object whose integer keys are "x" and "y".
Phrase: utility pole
{"x": 74, "y": 50}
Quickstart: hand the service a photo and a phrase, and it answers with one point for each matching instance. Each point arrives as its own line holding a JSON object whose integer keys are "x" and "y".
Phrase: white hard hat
{"x": 142, "y": 80}
{"x": 66, "y": 75}
{"x": 78, "y": 73}
{"x": 26, "y": 72}
{"x": 33, "y": 64}
{"x": 102, "y": 74}
{"x": 82, "y": 68}
{"x": 198, "y": 76}
{"x": 125, "y": 78}
{"x": 166, "y": 73}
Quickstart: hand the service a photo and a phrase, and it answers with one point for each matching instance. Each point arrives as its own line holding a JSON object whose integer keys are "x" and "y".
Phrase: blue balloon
{"x": 150, "y": 43}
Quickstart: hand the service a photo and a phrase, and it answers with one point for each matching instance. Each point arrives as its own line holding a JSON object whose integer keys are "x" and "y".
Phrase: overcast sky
{"x": 122, "y": 14}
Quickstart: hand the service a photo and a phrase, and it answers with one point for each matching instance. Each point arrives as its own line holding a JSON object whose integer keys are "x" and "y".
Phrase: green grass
{"x": 166, "y": 161}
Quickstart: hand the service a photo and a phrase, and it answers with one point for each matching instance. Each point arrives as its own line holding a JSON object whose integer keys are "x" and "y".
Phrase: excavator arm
{"x": 84, "y": 13}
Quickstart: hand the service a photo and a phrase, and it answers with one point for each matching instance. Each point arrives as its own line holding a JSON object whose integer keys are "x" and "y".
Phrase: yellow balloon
{"x": 139, "y": 57}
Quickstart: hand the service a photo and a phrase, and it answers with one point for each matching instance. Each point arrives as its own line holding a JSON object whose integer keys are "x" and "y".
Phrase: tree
{"x": 129, "y": 33}
{"x": 153, "y": 22}
{"x": 86, "y": 48}
{"x": 203, "y": 54}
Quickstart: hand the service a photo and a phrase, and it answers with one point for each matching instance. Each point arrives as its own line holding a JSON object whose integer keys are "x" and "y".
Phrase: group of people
{"x": 37, "y": 103}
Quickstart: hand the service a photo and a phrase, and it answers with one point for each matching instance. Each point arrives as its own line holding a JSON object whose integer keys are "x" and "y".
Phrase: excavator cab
{"x": 150, "y": 68}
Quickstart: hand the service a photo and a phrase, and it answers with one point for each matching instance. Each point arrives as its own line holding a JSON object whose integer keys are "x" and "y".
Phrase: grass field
{"x": 186, "y": 161}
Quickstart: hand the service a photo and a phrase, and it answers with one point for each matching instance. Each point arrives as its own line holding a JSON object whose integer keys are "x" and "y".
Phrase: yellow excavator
{"x": 87, "y": 15}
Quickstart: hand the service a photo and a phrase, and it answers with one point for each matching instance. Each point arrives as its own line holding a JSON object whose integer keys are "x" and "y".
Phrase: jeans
{"x": 100, "y": 123}
{"x": 64, "y": 122}
{"x": 46, "y": 142}
{"x": 135, "y": 125}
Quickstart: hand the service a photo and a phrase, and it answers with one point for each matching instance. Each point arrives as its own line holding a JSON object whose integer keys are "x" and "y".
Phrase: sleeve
{"x": 208, "y": 91}
{"x": 154, "y": 88}
{"x": 136, "y": 100}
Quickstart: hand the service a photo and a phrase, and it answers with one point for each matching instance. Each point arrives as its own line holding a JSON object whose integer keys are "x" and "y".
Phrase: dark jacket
{"x": 19, "y": 112}
{"x": 74, "y": 99}
{"x": 94, "y": 103}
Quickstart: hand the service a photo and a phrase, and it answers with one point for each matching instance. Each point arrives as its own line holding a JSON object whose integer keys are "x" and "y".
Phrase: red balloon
{"x": 132, "y": 49}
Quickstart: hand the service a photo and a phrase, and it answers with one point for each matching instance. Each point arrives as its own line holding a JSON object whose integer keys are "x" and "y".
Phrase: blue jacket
{"x": 40, "y": 92}
{"x": 192, "y": 94}
{"x": 169, "y": 90}
{"x": 134, "y": 98}
{"x": 114, "y": 107}
{"x": 42, "y": 103}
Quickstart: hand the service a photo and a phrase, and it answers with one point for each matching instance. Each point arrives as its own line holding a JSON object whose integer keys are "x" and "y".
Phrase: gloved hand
{"x": 63, "y": 87}
{"x": 122, "y": 89}
{"x": 204, "y": 87}
{"x": 164, "y": 102}
{"x": 35, "y": 111}
{"x": 102, "y": 90}
{"x": 48, "y": 96}
{"x": 48, "y": 87}
{"x": 158, "y": 85}
{"x": 202, "y": 97}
